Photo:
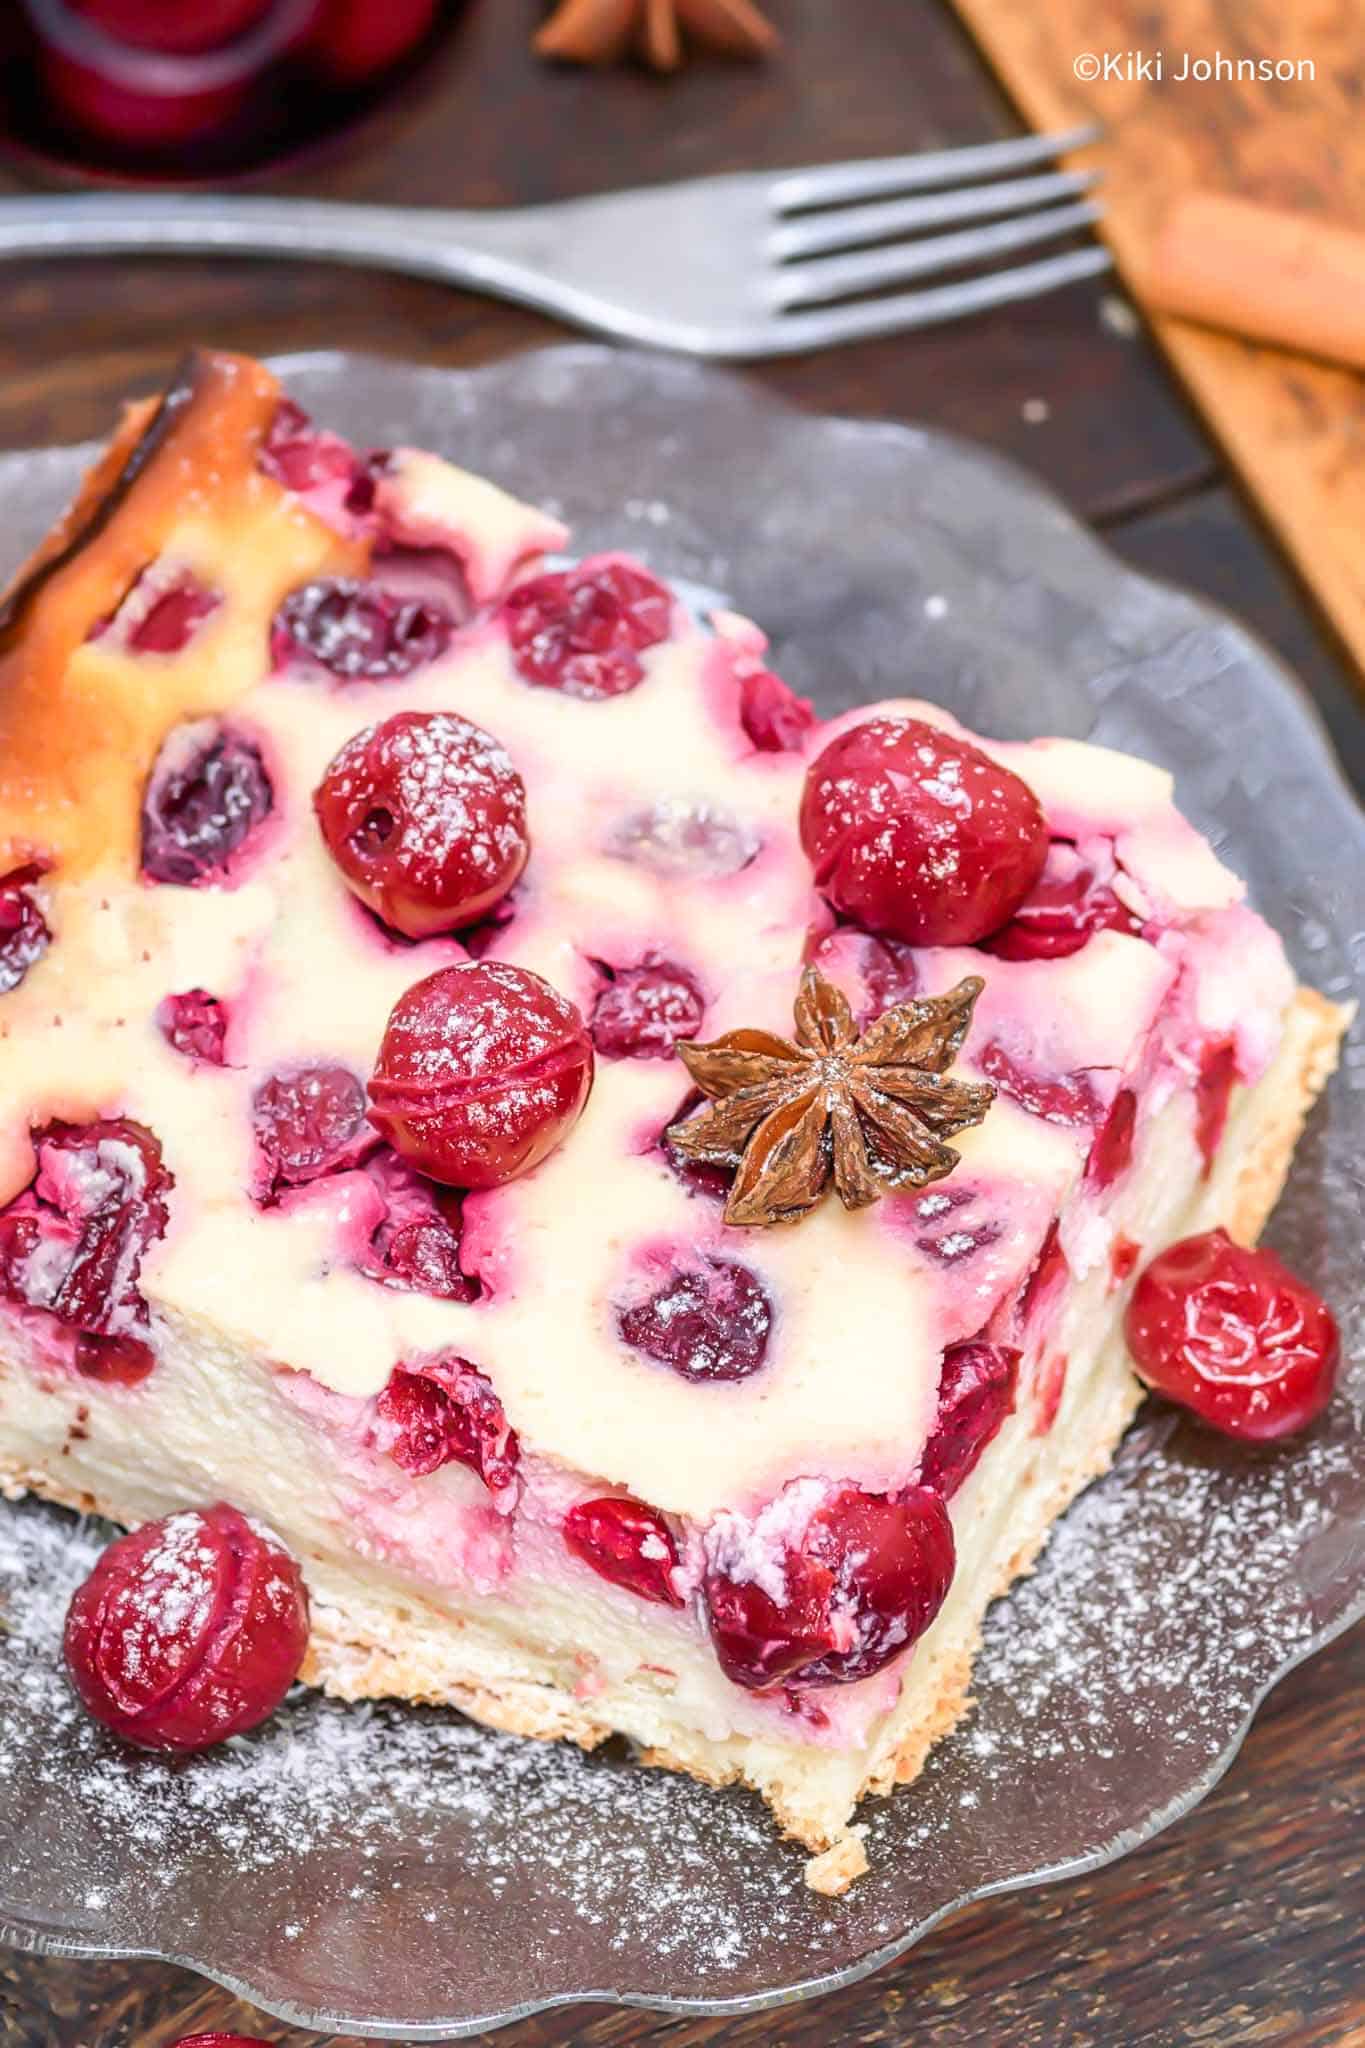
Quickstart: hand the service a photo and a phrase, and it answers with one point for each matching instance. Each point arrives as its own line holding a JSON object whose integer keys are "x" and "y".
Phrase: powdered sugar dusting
{"x": 1170, "y": 1596}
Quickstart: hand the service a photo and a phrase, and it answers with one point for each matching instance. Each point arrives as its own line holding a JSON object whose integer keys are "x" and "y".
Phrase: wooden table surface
{"x": 1242, "y": 1924}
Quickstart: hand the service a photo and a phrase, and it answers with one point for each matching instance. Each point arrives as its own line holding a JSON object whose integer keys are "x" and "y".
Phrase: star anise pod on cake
{"x": 869, "y": 1113}
{"x": 601, "y": 31}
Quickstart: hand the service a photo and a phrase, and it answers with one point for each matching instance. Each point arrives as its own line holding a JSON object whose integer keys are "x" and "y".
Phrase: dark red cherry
{"x": 116, "y": 1361}
{"x": 975, "y": 1394}
{"x": 915, "y": 833}
{"x": 207, "y": 793}
{"x": 445, "y": 1412}
{"x": 416, "y": 1246}
{"x": 195, "y": 1024}
{"x": 710, "y": 1321}
{"x": 483, "y": 1070}
{"x": 774, "y": 717}
{"x": 301, "y": 456}
{"x": 583, "y": 630}
{"x": 1062, "y": 912}
{"x": 1232, "y": 1334}
{"x": 643, "y": 1011}
{"x": 189, "y": 1630}
{"x": 627, "y": 1543}
{"x": 425, "y": 816}
{"x": 359, "y": 632}
{"x": 24, "y": 933}
{"x": 858, "y": 1586}
{"x": 1112, "y": 1152}
{"x": 1213, "y": 1088}
{"x": 1061, "y": 1098}
{"x": 308, "y": 1123}
{"x": 73, "y": 1243}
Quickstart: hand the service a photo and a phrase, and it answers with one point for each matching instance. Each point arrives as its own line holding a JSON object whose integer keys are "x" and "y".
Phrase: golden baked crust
{"x": 80, "y": 728}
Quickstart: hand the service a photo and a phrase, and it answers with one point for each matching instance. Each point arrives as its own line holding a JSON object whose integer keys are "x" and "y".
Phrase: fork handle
{"x": 495, "y": 251}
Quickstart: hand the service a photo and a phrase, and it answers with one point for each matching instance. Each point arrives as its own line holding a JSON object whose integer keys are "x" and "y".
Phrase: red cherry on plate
{"x": 1232, "y": 1334}
{"x": 917, "y": 834}
{"x": 483, "y": 1070}
{"x": 627, "y": 1543}
{"x": 860, "y": 1584}
{"x": 188, "y": 1630}
{"x": 425, "y": 816}
{"x": 583, "y": 630}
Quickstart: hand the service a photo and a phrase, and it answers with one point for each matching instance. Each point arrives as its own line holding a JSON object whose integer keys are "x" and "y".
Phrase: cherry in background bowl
{"x": 163, "y": 88}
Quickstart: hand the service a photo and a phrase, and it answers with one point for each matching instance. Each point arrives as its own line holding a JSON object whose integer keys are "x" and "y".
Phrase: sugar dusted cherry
{"x": 627, "y": 1543}
{"x": 24, "y": 933}
{"x": 74, "y": 1242}
{"x": 643, "y": 1011}
{"x": 860, "y": 1582}
{"x": 708, "y": 1321}
{"x": 583, "y": 630}
{"x": 916, "y": 834}
{"x": 302, "y": 456}
{"x": 425, "y": 816}
{"x": 1232, "y": 1334}
{"x": 188, "y": 1630}
{"x": 483, "y": 1070}
{"x": 359, "y": 632}
{"x": 207, "y": 793}
{"x": 975, "y": 1394}
{"x": 194, "y": 1024}
{"x": 308, "y": 1122}
{"x": 445, "y": 1412}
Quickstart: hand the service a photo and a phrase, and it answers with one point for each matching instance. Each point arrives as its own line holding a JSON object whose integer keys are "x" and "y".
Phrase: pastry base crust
{"x": 354, "y": 1655}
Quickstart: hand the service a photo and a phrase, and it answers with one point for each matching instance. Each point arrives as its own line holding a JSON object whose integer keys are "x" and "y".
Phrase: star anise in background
{"x": 601, "y": 31}
{"x": 870, "y": 1113}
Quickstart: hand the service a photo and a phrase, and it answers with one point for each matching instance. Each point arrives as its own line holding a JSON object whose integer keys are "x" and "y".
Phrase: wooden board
{"x": 1294, "y": 429}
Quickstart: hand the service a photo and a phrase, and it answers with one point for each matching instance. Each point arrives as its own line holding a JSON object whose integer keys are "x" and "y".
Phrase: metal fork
{"x": 757, "y": 263}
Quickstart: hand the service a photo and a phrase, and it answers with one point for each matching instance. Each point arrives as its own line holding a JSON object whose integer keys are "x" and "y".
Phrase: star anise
{"x": 871, "y": 1112}
{"x": 600, "y": 31}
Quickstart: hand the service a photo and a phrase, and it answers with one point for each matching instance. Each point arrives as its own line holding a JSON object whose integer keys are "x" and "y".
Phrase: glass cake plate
{"x": 406, "y": 1874}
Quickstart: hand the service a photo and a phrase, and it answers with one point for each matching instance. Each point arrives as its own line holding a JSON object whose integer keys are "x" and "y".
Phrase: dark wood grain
{"x": 1241, "y": 1925}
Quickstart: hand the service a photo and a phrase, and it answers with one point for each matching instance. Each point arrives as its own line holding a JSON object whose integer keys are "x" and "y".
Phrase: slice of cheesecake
{"x": 361, "y": 880}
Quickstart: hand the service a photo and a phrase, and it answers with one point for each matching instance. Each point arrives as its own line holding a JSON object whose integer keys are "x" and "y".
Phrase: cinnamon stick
{"x": 1288, "y": 278}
